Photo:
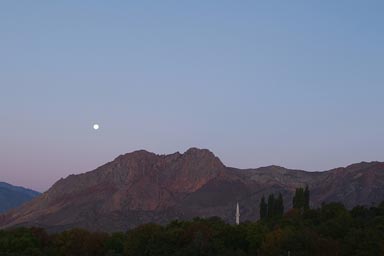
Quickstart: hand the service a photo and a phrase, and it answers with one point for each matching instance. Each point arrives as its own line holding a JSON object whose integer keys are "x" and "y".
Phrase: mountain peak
{"x": 141, "y": 187}
{"x": 363, "y": 165}
{"x": 192, "y": 157}
{"x": 136, "y": 154}
{"x": 197, "y": 154}
{"x": 195, "y": 150}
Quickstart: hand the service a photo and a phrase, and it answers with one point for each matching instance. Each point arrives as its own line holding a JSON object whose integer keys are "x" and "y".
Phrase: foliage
{"x": 273, "y": 209}
{"x": 263, "y": 209}
{"x": 301, "y": 198}
{"x": 329, "y": 230}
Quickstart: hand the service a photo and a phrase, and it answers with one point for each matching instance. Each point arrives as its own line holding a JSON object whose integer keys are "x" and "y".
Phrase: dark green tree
{"x": 298, "y": 199}
{"x": 279, "y": 206}
{"x": 301, "y": 199}
{"x": 306, "y": 198}
{"x": 330, "y": 230}
{"x": 139, "y": 241}
{"x": 271, "y": 205}
{"x": 263, "y": 209}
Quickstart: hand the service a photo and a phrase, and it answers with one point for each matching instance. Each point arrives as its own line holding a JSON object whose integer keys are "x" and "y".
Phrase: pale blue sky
{"x": 292, "y": 83}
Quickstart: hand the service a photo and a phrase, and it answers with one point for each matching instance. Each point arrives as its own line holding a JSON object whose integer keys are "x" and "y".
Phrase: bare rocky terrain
{"x": 141, "y": 187}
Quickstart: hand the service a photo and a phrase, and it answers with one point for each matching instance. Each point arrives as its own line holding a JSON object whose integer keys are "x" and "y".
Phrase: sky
{"x": 298, "y": 84}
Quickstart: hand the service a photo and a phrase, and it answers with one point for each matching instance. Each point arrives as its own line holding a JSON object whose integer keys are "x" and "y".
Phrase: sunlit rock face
{"x": 141, "y": 187}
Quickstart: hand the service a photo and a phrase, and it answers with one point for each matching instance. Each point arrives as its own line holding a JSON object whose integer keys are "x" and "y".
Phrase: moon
{"x": 96, "y": 127}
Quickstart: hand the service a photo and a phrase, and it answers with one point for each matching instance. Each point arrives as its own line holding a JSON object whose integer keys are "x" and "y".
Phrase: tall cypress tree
{"x": 301, "y": 199}
{"x": 306, "y": 198}
{"x": 279, "y": 206}
{"x": 263, "y": 209}
{"x": 295, "y": 202}
{"x": 271, "y": 205}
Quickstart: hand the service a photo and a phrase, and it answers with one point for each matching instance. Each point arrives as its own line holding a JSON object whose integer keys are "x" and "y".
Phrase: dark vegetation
{"x": 328, "y": 230}
{"x": 273, "y": 209}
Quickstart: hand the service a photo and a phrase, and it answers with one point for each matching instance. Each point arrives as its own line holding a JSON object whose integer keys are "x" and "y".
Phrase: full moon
{"x": 96, "y": 127}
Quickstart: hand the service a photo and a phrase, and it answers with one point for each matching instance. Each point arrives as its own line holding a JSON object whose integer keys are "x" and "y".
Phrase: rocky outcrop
{"x": 142, "y": 187}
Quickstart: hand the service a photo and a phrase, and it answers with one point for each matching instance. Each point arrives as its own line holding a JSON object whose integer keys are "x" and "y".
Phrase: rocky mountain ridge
{"x": 141, "y": 187}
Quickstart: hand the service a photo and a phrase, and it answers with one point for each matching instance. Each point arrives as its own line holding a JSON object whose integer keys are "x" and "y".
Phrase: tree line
{"x": 328, "y": 230}
{"x": 274, "y": 207}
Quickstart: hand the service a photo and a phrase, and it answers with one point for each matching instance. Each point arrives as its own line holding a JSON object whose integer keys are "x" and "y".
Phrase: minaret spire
{"x": 237, "y": 214}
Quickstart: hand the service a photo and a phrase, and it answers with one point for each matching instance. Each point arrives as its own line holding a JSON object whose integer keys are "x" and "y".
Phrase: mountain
{"x": 141, "y": 187}
{"x": 12, "y": 196}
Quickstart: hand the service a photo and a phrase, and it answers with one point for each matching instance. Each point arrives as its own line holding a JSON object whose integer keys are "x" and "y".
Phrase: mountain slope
{"x": 142, "y": 187}
{"x": 12, "y": 196}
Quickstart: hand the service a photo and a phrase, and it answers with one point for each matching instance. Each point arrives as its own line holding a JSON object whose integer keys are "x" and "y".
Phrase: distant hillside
{"x": 12, "y": 196}
{"x": 142, "y": 187}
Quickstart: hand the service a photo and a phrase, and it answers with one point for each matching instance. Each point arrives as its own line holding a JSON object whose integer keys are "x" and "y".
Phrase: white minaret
{"x": 237, "y": 214}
